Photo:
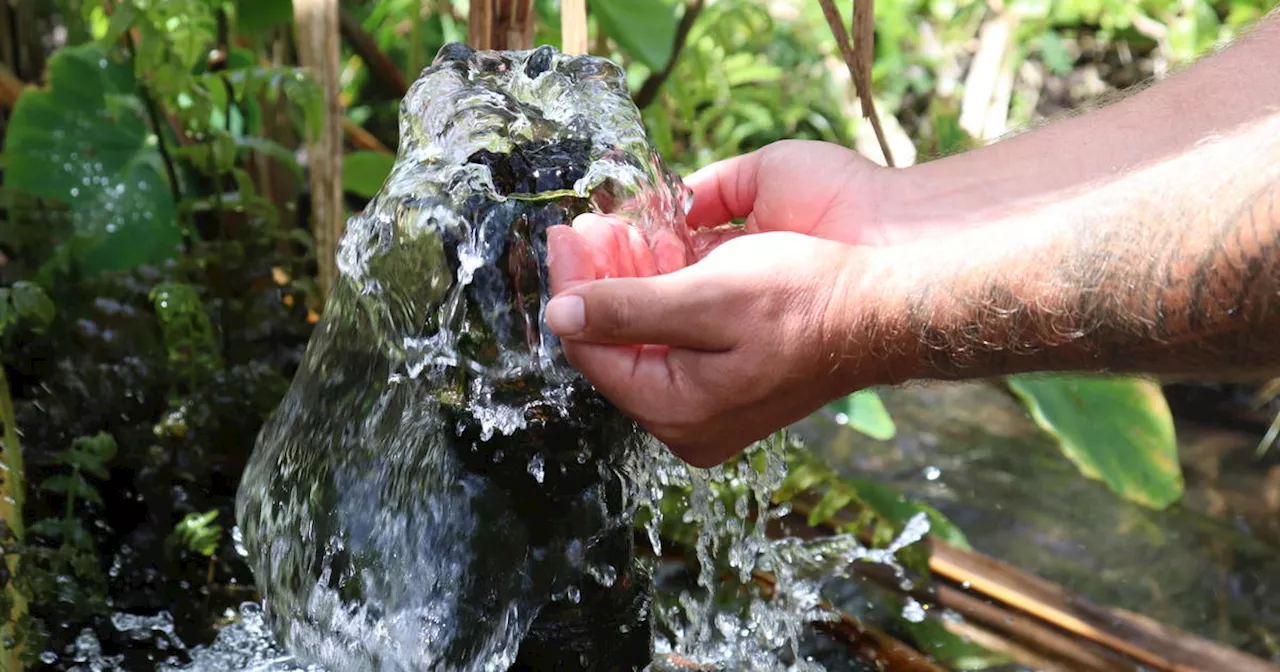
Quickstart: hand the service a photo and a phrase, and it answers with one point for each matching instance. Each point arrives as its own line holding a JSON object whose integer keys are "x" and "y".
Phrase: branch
{"x": 649, "y": 90}
{"x": 382, "y": 69}
{"x": 10, "y": 87}
{"x": 861, "y": 78}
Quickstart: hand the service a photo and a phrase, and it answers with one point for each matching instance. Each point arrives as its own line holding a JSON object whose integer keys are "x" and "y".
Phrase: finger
{"x": 643, "y": 382}
{"x": 723, "y": 191}
{"x": 643, "y": 259}
{"x": 673, "y": 309}
{"x": 570, "y": 259}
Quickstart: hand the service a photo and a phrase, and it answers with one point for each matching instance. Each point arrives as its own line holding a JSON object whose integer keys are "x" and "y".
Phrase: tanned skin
{"x": 1141, "y": 237}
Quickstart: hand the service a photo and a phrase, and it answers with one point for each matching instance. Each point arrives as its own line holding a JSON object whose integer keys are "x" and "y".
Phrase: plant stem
{"x": 12, "y": 495}
{"x": 649, "y": 89}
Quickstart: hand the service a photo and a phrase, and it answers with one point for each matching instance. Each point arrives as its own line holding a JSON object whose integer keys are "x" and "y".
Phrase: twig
{"x": 153, "y": 111}
{"x": 362, "y": 139}
{"x": 382, "y": 69}
{"x": 862, "y": 88}
{"x": 573, "y": 27}
{"x": 649, "y": 89}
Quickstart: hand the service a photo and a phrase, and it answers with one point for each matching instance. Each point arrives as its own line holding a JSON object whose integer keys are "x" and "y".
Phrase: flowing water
{"x": 439, "y": 490}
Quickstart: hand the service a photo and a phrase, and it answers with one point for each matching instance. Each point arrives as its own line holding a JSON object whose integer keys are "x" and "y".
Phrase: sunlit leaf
{"x": 1054, "y": 53}
{"x": 364, "y": 172}
{"x": 864, "y": 411}
{"x": 897, "y": 509}
{"x": 645, "y": 29}
{"x": 85, "y": 142}
{"x": 1116, "y": 430}
{"x": 254, "y": 16}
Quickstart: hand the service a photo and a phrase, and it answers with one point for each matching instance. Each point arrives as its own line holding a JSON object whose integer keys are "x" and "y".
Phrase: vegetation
{"x": 159, "y": 270}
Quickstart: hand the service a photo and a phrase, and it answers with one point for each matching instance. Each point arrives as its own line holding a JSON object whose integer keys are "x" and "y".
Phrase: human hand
{"x": 715, "y": 355}
{"x": 802, "y": 186}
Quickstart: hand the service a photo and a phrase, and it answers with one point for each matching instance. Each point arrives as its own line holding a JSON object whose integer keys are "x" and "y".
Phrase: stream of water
{"x": 439, "y": 490}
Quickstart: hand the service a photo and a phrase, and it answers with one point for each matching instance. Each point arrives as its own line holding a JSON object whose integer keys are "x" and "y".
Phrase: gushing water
{"x": 439, "y": 490}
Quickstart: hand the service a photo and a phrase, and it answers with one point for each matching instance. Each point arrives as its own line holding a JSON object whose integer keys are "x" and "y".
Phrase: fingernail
{"x": 566, "y": 315}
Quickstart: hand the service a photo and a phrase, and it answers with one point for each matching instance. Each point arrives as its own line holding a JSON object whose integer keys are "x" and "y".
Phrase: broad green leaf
{"x": 645, "y": 29}
{"x": 864, "y": 411}
{"x": 31, "y": 303}
{"x": 261, "y": 15}
{"x": 364, "y": 172}
{"x": 897, "y": 509}
{"x": 85, "y": 142}
{"x": 1116, "y": 430}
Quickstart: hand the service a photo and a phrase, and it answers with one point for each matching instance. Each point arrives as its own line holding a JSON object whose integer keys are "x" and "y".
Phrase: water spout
{"x": 439, "y": 490}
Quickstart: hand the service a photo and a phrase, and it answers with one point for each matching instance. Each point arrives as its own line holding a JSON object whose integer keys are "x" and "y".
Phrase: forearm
{"x": 1172, "y": 267}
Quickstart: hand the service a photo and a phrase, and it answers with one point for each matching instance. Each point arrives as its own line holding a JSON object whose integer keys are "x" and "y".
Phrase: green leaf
{"x": 831, "y": 502}
{"x": 255, "y": 16}
{"x": 950, "y": 649}
{"x": 364, "y": 172}
{"x": 864, "y": 411}
{"x": 897, "y": 509}
{"x": 1055, "y": 54}
{"x": 645, "y": 29}
{"x": 85, "y": 142}
{"x": 197, "y": 533}
{"x": 31, "y": 303}
{"x": 1116, "y": 430}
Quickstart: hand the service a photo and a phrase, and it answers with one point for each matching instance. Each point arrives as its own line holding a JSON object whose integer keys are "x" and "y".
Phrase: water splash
{"x": 439, "y": 490}
{"x": 715, "y": 627}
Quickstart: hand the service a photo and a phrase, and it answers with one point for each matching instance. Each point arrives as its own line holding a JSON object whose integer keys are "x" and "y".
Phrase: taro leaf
{"x": 864, "y": 412}
{"x": 364, "y": 172}
{"x": 897, "y": 509}
{"x": 1116, "y": 430}
{"x": 253, "y": 16}
{"x": 645, "y": 29}
{"x": 85, "y": 142}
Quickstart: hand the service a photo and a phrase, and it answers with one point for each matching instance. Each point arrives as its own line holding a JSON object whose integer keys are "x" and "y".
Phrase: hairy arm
{"x": 1144, "y": 237}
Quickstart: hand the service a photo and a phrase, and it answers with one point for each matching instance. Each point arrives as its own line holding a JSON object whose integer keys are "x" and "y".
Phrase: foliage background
{"x": 158, "y": 268}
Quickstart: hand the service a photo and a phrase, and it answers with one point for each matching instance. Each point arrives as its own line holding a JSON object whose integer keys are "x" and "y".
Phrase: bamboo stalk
{"x": 573, "y": 27}
{"x": 500, "y": 24}
{"x": 1021, "y": 595}
{"x": 12, "y": 496}
{"x": 867, "y": 642}
{"x": 317, "y": 26}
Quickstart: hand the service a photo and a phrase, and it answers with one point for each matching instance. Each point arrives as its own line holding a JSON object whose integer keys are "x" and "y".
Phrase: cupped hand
{"x": 712, "y": 356}
{"x": 802, "y": 186}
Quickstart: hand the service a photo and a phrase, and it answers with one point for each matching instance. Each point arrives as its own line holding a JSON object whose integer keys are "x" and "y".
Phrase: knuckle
{"x": 616, "y": 318}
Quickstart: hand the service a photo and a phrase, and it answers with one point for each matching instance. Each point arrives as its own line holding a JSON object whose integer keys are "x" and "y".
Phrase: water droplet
{"x": 537, "y": 467}
{"x": 912, "y": 611}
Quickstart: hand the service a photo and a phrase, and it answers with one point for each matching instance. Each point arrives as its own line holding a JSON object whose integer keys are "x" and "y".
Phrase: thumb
{"x": 670, "y": 309}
